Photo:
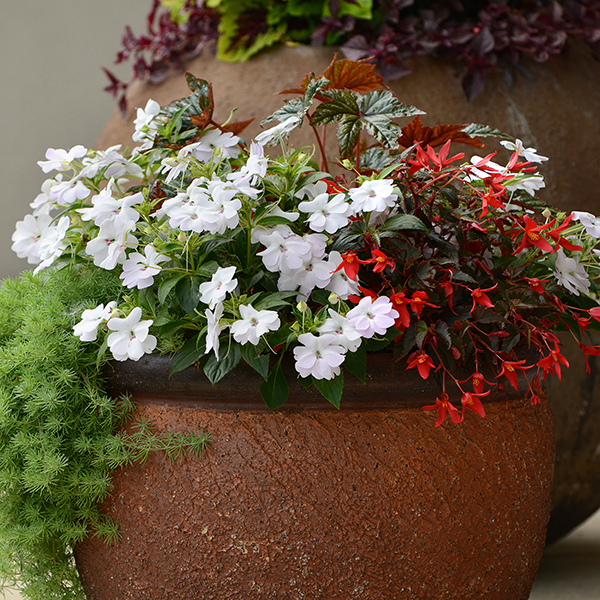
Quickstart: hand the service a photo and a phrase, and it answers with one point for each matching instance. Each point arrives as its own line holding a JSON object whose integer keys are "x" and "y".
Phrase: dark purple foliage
{"x": 485, "y": 36}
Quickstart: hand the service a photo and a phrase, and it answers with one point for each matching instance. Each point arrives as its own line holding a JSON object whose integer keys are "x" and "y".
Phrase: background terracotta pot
{"x": 552, "y": 106}
{"x": 368, "y": 502}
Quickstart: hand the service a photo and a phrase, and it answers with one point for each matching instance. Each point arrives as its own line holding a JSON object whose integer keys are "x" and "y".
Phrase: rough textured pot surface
{"x": 551, "y": 106}
{"x": 369, "y": 502}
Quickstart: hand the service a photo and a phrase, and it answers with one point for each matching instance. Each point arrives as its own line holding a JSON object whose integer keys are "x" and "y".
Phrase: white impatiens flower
{"x": 373, "y": 196}
{"x": 43, "y": 203}
{"x": 370, "y": 317}
{"x": 205, "y": 206}
{"x": 525, "y": 182}
{"x": 254, "y": 324}
{"x": 108, "y": 209}
{"x": 250, "y": 174}
{"x": 146, "y": 124}
{"x": 68, "y": 191}
{"x": 60, "y": 160}
{"x": 27, "y": 235}
{"x": 319, "y": 356}
{"x": 529, "y": 154}
{"x": 314, "y": 273}
{"x": 326, "y": 213}
{"x": 589, "y": 221}
{"x": 52, "y": 243}
{"x": 340, "y": 283}
{"x": 284, "y": 251}
{"x": 214, "y": 328}
{"x": 109, "y": 246}
{"x": 570, "y": 274}
{"x": 114, "y": 163}
{"x": 87, "y": 329}
{"x": 130, "y": 337}
{"x": 222, "y": 283}
{"x": 225, "y": 143}
{"x": 346, "y": 335}
{"x": 139, "y": 270}
{"x": 279, "y": 131}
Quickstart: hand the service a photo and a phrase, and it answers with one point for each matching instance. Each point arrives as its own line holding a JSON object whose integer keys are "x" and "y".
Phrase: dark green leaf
{"x": 442, "y": 329}
{"x": 342, "y": 103}
{"x": 276, "y": 299}
{"x": 347, "y": 135}
{"x": 146, "y": 299}
{"x": 373, "y": 345}
{"x": 275, "y": 389}
{"x": 187, "y": 294}
{"x": 169, "y": 326}
{"x": 216, "y": 368}
{"x": 166, "y": 286}
{"x": 383, "y": 102}
{"x": 401, "y": 222}
{"x": 332, "y": 389}
{"x": 420, "y": 333}
{"x": 259, "y": 363}
{"x": 207, "y": 270}
{"x": 356, "y": 363}
{"x": 270, "y": 221}
{"x": 191, "y": 351}
{"x": 475, "y": 130}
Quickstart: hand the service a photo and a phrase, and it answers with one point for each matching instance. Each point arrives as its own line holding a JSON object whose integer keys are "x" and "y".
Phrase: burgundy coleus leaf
{"x": 415, "y": 132}
{"x": 237, "y": 127}
{"x": 344, "y": 74}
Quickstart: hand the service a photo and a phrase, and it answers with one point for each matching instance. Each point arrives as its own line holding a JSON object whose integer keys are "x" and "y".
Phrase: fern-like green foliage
{"x": 59, "y": 432}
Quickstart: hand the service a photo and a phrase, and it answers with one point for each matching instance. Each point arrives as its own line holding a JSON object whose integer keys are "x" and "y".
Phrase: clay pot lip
{"x": 148, "y": 381}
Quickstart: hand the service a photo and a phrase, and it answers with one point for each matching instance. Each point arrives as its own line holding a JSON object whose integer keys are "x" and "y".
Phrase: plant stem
{"x": 324, "y": 165}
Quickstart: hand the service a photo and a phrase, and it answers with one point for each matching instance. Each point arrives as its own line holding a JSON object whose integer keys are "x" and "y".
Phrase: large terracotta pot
{"x": 370, "y": 502}
{"x": 552, "y": 106}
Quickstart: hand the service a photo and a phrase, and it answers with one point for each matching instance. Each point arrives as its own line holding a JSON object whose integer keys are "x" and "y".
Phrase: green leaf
{"x": 298, "y": 107}
{"x": 146, "y": 299}
{"x": 475, "y": 130}
{"x": 166, "y": 286}
{"x": 190, "y": 352}
{"x": 374, "y": 344}
{"x": 187, "y": 294}
{"x": 270, "y": 221}
{"x": 356, "y": 363}
{"x": 331, "y": 389}
{"x": 276, "y": 299}
{"x": 340, "y": 104}
{"x": 443, "y": 330}
{"x": 420, "y": 333}
{"x": 169, "y": 326}
{"x": 216, "y": 368}
{"x": 373, "y": 111}
{"x": 401, "y": 222}
{"x": 259, "y": 363}
{"x": 275, "y": 389}
{"x": 207, "y": 270}
{"x": 347, "y": 135}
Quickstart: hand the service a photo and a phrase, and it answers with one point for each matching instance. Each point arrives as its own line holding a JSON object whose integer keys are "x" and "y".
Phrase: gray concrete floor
{"x": 570, "y": 568}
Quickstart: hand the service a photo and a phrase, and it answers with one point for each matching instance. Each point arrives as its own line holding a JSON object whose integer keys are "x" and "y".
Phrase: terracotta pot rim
{"x": 148, "y": 381}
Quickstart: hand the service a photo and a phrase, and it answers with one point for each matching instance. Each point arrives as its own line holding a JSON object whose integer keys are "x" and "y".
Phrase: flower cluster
{"x": 232, "y": 255}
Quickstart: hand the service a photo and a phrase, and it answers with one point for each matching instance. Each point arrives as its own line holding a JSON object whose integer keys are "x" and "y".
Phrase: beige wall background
{"x": 51, "y": 91}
